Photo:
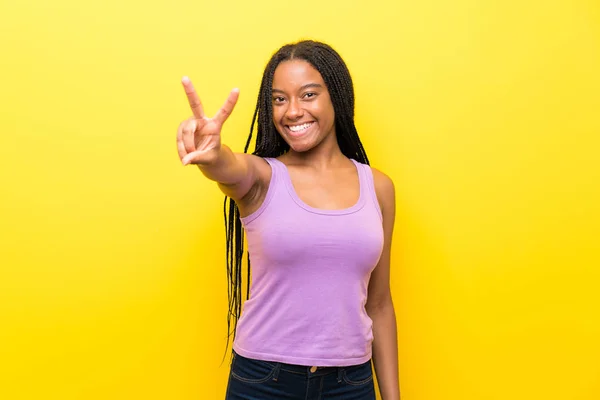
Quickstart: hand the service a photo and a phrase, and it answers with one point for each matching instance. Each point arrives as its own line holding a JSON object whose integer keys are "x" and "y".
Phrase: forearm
{"x": 226, "y": 168}
{"x": 385, "y": 350}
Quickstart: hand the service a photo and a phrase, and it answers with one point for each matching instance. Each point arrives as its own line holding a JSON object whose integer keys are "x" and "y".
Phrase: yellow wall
{"x": 112, "y": 279}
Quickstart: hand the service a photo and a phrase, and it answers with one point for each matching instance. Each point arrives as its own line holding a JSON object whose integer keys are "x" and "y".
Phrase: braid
{"x": 269, "y": 143}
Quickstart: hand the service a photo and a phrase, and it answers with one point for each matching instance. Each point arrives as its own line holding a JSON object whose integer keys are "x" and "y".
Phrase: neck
{"x": 323, "y": 156}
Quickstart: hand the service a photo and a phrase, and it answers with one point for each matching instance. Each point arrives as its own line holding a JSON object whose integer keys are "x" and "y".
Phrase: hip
{"x": 265, "y": 380}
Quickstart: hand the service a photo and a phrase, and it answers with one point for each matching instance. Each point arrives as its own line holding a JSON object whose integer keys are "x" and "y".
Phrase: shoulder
{"x": 383, "y": 183}
{"x": 260, "y": 166}
{"x": 259, "y": 175}
{"x": 384, "y": 189}
{"x": 384, "y": 186}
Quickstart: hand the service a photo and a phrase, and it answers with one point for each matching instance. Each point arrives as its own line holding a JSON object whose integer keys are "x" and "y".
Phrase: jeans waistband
{"x": 302, "y": 369}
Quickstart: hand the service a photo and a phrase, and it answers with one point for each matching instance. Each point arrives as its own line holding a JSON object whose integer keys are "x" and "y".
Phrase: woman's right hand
{"x": 199, "y": 137}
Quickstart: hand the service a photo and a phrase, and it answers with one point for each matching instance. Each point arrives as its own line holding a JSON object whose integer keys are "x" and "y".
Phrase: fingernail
{"x": 185, "y": 79}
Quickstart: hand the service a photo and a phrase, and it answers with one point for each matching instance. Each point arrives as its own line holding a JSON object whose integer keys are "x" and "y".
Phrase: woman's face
{"x": 302, "y": 109}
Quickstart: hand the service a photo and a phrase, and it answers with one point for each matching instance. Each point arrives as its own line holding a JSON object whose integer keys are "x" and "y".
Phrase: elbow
{"x": 377, "y": 305}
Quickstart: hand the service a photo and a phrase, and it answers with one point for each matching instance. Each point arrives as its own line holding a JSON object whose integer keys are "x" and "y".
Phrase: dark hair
{"x": 269, "y": 143}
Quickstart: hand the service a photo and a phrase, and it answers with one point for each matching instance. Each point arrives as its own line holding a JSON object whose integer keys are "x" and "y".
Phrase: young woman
{"x": 318, "y": 222}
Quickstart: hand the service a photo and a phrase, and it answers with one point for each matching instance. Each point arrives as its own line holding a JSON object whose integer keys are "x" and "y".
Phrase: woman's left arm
{"x": 380, "y": 307}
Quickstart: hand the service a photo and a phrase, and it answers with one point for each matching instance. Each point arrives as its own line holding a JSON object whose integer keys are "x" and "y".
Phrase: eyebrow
{"x": 308, "y": 85}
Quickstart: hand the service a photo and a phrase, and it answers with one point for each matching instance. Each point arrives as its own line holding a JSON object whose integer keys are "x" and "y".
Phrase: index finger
{"x": 193, "y": 98}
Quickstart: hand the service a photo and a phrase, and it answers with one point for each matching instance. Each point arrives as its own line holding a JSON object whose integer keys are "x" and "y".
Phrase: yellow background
{"x": 485, "y": 114}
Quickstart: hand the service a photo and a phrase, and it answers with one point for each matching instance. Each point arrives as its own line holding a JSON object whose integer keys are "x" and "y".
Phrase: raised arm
{"x": 199, "y": 142}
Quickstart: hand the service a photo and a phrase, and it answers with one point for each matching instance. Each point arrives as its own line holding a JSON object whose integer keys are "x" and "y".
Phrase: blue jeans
{"x": 251, "y": 379}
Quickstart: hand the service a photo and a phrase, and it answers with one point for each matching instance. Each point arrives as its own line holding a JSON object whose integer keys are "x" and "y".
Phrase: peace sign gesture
{"x": 199, "y": 137}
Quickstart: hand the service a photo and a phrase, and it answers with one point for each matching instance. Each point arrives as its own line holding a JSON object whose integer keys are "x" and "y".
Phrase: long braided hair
{"x": 269, "y": 143}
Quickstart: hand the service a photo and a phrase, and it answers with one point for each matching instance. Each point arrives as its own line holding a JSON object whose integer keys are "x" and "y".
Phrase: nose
{"x": 294, "y": 110}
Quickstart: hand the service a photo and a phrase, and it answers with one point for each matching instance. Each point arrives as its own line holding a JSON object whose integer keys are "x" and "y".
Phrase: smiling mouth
{"x": 297, "y": 130}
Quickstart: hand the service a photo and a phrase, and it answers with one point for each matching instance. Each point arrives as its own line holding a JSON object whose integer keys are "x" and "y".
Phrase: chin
{"x": 298, "y": 146}
{"x": 301, "y": 148}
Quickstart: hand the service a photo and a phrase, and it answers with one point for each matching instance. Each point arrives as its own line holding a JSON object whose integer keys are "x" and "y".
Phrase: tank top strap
{"x": 278, "y": 176}
{"x": 367, "y": 185}
{"x": 275, "y": 168}
{"x": 274, "y": 183}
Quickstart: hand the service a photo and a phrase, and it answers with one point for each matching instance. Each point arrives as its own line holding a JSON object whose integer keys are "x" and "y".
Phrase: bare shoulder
{"x": 259, "y": 172}
{"x": 260, "y": 166}
{"x": 384, "y": 188}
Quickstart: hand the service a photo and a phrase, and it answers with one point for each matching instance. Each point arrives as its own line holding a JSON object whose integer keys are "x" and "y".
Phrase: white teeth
{"x": 299, "y": 128}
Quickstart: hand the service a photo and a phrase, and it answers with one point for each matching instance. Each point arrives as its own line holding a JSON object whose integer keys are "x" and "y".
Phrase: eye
{"x": 278, "y": 99}
{"x": 309, "y": 95}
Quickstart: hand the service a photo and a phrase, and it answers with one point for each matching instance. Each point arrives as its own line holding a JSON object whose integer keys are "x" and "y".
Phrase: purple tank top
{"x": 310, "y": 274}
